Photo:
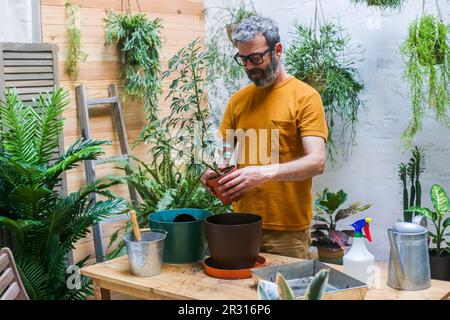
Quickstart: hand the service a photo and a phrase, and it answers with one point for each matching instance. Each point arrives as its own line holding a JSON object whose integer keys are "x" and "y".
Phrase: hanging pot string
{"x": 317, "y": 17}
{"x": 129, "y": 6}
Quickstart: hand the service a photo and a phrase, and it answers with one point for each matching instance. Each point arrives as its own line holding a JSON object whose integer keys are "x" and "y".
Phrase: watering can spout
{"x": 396, "y": 261}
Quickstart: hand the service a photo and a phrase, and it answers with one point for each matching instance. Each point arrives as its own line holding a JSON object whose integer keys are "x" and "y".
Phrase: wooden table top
{"x": 190, "y": 282}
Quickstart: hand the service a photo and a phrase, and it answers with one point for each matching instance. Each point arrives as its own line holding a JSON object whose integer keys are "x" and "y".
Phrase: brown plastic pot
{"x": 213, "y": 183}
{"x": 440, "y": 266}
{"x": 331, "y": 255}
{"x": 234, "y": 239}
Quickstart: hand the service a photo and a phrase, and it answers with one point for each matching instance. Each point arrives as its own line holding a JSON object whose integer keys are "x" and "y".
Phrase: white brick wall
{"x": 370, "y": 175}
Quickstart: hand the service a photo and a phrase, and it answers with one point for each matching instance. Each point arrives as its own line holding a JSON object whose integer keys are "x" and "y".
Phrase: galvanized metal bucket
{"x": 145, "y": 256}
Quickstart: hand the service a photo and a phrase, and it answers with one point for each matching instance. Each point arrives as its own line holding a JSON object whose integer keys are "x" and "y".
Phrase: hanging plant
{"x": 139, "y": 40}
{"x": 323, "y": 59}
{"x": 224, "y": 75}
{"x": 74, "y": 53}
{"x": 238, "y": 14}
{"x": 426, "y": 55}
{"x": 383, "y": 4}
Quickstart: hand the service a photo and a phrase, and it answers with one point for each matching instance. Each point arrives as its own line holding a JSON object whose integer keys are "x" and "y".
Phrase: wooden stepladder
{"x": 83, "y": 106}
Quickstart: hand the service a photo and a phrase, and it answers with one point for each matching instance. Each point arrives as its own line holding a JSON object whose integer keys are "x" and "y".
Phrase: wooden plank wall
{"x": 181, "y": 24}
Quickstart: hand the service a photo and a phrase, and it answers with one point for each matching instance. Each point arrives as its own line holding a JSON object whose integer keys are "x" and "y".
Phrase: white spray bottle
{"x": 358, "y": 259}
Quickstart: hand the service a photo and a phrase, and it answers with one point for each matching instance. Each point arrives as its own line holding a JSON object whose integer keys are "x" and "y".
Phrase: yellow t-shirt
{"x": 282, "y": 114}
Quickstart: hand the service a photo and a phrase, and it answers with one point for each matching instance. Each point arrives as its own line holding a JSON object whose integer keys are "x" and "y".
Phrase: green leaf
{"x": 446, "y": 223}
{"x": 284, "y": 290}
{"x": 439, "y": 199}
{"x": 14, "y": 227}
{"x": 317, "y": 286}
{"x": 424, "y": 212}
{"x": 267, "y": 290}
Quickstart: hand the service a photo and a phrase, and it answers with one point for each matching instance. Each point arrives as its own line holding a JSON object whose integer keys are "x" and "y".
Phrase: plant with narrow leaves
{"x": 441, "y": 204}
{"x": 426, "y": 54}
{"x": 280, "y": 290}
{"x": 410, "y": 172}
{"x": 383, "y": 4}
{"x": 326, "y": 62}
{"x": 45, "y": 224}
{"x": 74, "y": 53}
{"x": 172, "y": 178}
{"x": 224, "y": 75}
{"x": 139, "y": 40}
{"x": 327, "y": 215}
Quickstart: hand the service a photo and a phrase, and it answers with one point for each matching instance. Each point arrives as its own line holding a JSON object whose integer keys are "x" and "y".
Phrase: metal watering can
{"x": 409, "y": 265}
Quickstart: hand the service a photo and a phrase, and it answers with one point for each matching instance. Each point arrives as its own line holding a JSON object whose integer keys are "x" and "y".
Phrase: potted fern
{"x": 45, "y": 224}
{"x": 426, "y": 55}
{"x": 139, "y": 41}
{"x": 440, "y": 254}
{"x": 322, "y": 59}
{"x": 329, "y": 241}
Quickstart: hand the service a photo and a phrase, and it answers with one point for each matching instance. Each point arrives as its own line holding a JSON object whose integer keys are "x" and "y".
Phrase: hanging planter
{"x": 383, "y": 4}
{"x": 319, "y": 57}
{"x": 74, "y": 53}
{"x": 139, "y": 40}
{"x": 426, "y": 55}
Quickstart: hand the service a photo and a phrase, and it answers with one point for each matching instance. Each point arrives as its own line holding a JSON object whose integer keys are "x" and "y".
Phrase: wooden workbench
{"x": 190, "y": 282}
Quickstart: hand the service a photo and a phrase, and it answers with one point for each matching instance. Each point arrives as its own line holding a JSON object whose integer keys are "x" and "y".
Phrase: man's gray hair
{"x": 252, "y": 26}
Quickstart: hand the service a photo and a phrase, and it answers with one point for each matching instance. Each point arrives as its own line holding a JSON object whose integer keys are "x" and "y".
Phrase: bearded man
{"x": 284, "y": 124}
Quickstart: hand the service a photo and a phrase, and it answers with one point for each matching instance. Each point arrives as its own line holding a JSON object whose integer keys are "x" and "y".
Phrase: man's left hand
{"x": 242, "y": 180}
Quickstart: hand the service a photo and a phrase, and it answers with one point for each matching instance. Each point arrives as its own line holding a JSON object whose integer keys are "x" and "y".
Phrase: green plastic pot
{"x": 185, "y": 241}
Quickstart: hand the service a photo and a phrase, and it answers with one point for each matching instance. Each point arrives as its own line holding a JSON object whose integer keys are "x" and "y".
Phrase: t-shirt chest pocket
{"x": 287, "y": 135}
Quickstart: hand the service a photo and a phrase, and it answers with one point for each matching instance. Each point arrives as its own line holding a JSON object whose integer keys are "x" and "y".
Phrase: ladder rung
{"x": 115, "y": 218}
{"x": 93, "y": 102}
{"x": 111, "y": 159}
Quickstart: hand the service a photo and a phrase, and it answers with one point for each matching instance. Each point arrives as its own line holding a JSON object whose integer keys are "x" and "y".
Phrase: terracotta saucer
{"x": 231, "y": 274}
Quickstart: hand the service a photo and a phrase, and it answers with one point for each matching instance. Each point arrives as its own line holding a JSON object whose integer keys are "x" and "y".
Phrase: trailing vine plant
{"x": 139, "y": 40}
{"x": 427, "y": 58}
{"x": 382, "y": 4}
{"x": 74, "y": 53}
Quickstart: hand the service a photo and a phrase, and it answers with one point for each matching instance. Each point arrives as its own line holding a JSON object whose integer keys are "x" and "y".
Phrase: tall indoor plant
{"x": 180, "y": 144}
{"x": 44, "y": 223}
{"x": 440, "y": 255}
{"x": 323, "y": 58}
{"x": 329, "y": 241}
{"x": 139, "y": 40}
{"x": 427, "y": 58}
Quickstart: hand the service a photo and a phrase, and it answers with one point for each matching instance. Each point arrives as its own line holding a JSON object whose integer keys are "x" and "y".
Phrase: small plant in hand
{"x": 327, "y": 214}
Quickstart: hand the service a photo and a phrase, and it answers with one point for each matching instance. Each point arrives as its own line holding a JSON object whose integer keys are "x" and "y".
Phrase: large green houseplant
{"x": 179, "y": 144}
{"x": 329, "y": 241}
{"x": 139, "y": 40}
{"x": 440, "y": 255}
{"x": 427, "y": 58}
{"x": 324, "y": 59}
{"x": 45, "y": 224}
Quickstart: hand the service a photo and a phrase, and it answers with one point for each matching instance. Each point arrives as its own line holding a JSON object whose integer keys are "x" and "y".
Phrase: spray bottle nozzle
{"x": 360, "y": 225}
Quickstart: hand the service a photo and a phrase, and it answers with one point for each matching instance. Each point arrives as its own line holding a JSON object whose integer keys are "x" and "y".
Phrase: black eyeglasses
{"x": 256, "y": 58}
